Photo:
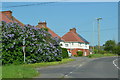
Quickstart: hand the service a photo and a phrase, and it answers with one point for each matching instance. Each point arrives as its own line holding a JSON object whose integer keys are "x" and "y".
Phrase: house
{"x": 74, "y": 42}
{"x": 8, "y": 17}
{"x": 44, "y": 25}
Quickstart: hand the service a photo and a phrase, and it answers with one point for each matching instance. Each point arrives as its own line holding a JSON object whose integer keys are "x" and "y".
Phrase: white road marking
{"x": 80, "y": 65}
{"x": 73, "y": 70}
{"x": 115, "y": 64}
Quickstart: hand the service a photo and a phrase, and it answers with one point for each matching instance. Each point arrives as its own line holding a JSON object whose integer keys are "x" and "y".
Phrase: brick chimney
{"x": 73, "y": 30}
{"x": 8, "y": 13}
{"x": 42, "y": 24}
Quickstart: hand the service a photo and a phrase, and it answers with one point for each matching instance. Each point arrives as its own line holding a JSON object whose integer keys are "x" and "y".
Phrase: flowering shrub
{"x": 39, "y": 44}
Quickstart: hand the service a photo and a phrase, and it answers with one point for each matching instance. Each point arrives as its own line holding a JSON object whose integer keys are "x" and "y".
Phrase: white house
{"x": 75, "y": 42}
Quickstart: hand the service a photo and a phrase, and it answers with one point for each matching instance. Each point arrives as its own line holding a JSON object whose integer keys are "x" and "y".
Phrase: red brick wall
{"x": 73, "y": 51}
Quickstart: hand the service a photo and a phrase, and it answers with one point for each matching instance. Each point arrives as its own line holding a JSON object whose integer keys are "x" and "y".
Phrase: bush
{"x": 95, "y": 51}
{"x": 89, "y": 56}
{"x": 40, "y": 45}
{"x": 116, "y": 50}
{"x": 65, "y": 53}
{"x": 79, "y": 53}
{"x": 75, "y": 55}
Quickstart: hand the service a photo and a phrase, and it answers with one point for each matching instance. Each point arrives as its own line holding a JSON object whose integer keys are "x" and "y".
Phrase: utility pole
{"x": 98, "y": 19}
{"x": 93, "y": 37}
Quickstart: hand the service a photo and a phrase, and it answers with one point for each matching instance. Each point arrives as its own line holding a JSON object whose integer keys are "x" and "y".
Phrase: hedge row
{"x": 40, "y": 46}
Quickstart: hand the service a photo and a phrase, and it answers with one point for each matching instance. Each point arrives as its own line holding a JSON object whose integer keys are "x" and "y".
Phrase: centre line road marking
{"x": 115, "y": 64}
{"x": 73, "y": 70}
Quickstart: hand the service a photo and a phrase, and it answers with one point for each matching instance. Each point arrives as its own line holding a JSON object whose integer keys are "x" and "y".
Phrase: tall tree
{"x": 110, "y": 46}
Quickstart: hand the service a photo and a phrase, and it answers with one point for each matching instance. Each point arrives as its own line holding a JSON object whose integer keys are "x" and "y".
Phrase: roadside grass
{"x": 18, "y": 71}
{"x": 27, "y": 70}
{"x": 0, "y": 72}
{"x": 100, "y": 55}
{"x": 44, "y": 64}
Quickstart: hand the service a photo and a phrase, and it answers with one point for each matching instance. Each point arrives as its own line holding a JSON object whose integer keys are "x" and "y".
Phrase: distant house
{"x": 44, "y": 25}
{"x": 74, "y": 42}
{"x": 8, "y": 17}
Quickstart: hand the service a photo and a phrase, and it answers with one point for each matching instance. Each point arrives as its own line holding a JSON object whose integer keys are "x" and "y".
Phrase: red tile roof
{"x": 7, "y": 17}
{"x": 72, "y": 36}
{"x": 44, "y": 25}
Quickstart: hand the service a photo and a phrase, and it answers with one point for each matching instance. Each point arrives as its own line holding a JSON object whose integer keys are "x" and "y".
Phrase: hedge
{"x": 39, "y": 44}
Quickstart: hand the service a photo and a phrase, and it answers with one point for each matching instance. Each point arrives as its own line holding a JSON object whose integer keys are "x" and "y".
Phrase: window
{"x": 61, "y": 44}
{"x": 66, "y": 45}
{"x": 72, "y": 43}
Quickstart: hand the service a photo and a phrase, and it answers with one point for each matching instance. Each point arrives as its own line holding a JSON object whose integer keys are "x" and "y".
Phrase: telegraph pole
{"x": 98, "y": 19}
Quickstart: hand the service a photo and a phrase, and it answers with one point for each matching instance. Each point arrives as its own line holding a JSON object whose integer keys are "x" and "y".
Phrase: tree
{"x": 110, "y": 46}
{"x": 117, "y": 49}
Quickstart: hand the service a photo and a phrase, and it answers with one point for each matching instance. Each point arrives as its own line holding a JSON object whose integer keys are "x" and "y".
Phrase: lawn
{"x": 18, "y": 71}
{"x": 27, "y": 70}
{"x": 0, "y": 72}
{"x": 100, "y": 55}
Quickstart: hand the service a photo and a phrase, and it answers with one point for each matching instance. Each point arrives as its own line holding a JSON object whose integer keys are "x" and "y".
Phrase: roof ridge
{"x": 18, "y": 21}
{"x": 74, "y": 35}
{"x": 78, "y": 38}
{"x": 53, "y": 31}
{"x": 8, "y": 17}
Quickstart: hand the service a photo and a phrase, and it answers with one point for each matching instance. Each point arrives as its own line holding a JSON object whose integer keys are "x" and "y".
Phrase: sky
{"x": 62, "y": 16}
{"x": 59, "y": 0}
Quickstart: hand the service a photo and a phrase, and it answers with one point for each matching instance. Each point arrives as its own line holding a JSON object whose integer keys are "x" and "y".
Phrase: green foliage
{"x": 45, "y": 29}
{"x": 43, "y": 64}
{"x": 65, "y": 53}
{"x": 39, "y": 45}
{"x": 117, "y": 50}
{"x": 109, "y": 46}
{"x": 79, "y": 53}
{"x": 18, "y": 71}
{"x": 76, "y": 56}
{"x": 95, "y": 51}
{"x": 102, "y": 52}
{"x": 100, "y": 55}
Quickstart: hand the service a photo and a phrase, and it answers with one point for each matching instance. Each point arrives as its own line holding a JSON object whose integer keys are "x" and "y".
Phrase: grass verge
{"x": 0, "y": 73}
{"x": 18, "y": 71}
{"x": 100, "y": 55}
{"x": 49, "y": 63}
{"x": 27, "y": 70}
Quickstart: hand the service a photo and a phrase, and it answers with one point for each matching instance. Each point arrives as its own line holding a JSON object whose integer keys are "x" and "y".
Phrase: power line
{"x": 94, "y": 31}
{"x": 42, "y": 3}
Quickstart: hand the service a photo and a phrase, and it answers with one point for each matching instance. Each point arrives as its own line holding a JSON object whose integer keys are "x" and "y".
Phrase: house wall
{"x": 73, "y": 47}
{"x": 74, "y": 51}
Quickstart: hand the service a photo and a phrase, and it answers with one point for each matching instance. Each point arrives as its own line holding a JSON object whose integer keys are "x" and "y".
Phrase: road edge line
{"x": 115, "y": 64}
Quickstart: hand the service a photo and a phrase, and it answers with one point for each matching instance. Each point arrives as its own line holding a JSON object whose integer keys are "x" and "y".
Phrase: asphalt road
{"x": 83, "y": 68}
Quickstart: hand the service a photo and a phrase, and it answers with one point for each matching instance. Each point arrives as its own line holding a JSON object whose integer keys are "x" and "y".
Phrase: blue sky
{"x": 61, "y": 16}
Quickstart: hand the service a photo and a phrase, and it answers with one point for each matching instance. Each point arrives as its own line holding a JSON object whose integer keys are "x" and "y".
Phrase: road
{"x": 83, "y": 67}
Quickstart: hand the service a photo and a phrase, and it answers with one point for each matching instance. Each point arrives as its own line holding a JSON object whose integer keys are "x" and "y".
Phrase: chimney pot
{"x": 42, "y": 24}
{"x": 8, "y": 13}
{"x": 73, "y": 30}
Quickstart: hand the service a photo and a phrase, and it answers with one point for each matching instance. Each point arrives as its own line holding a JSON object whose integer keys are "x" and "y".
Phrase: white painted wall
{"x": 72, "y": 45}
